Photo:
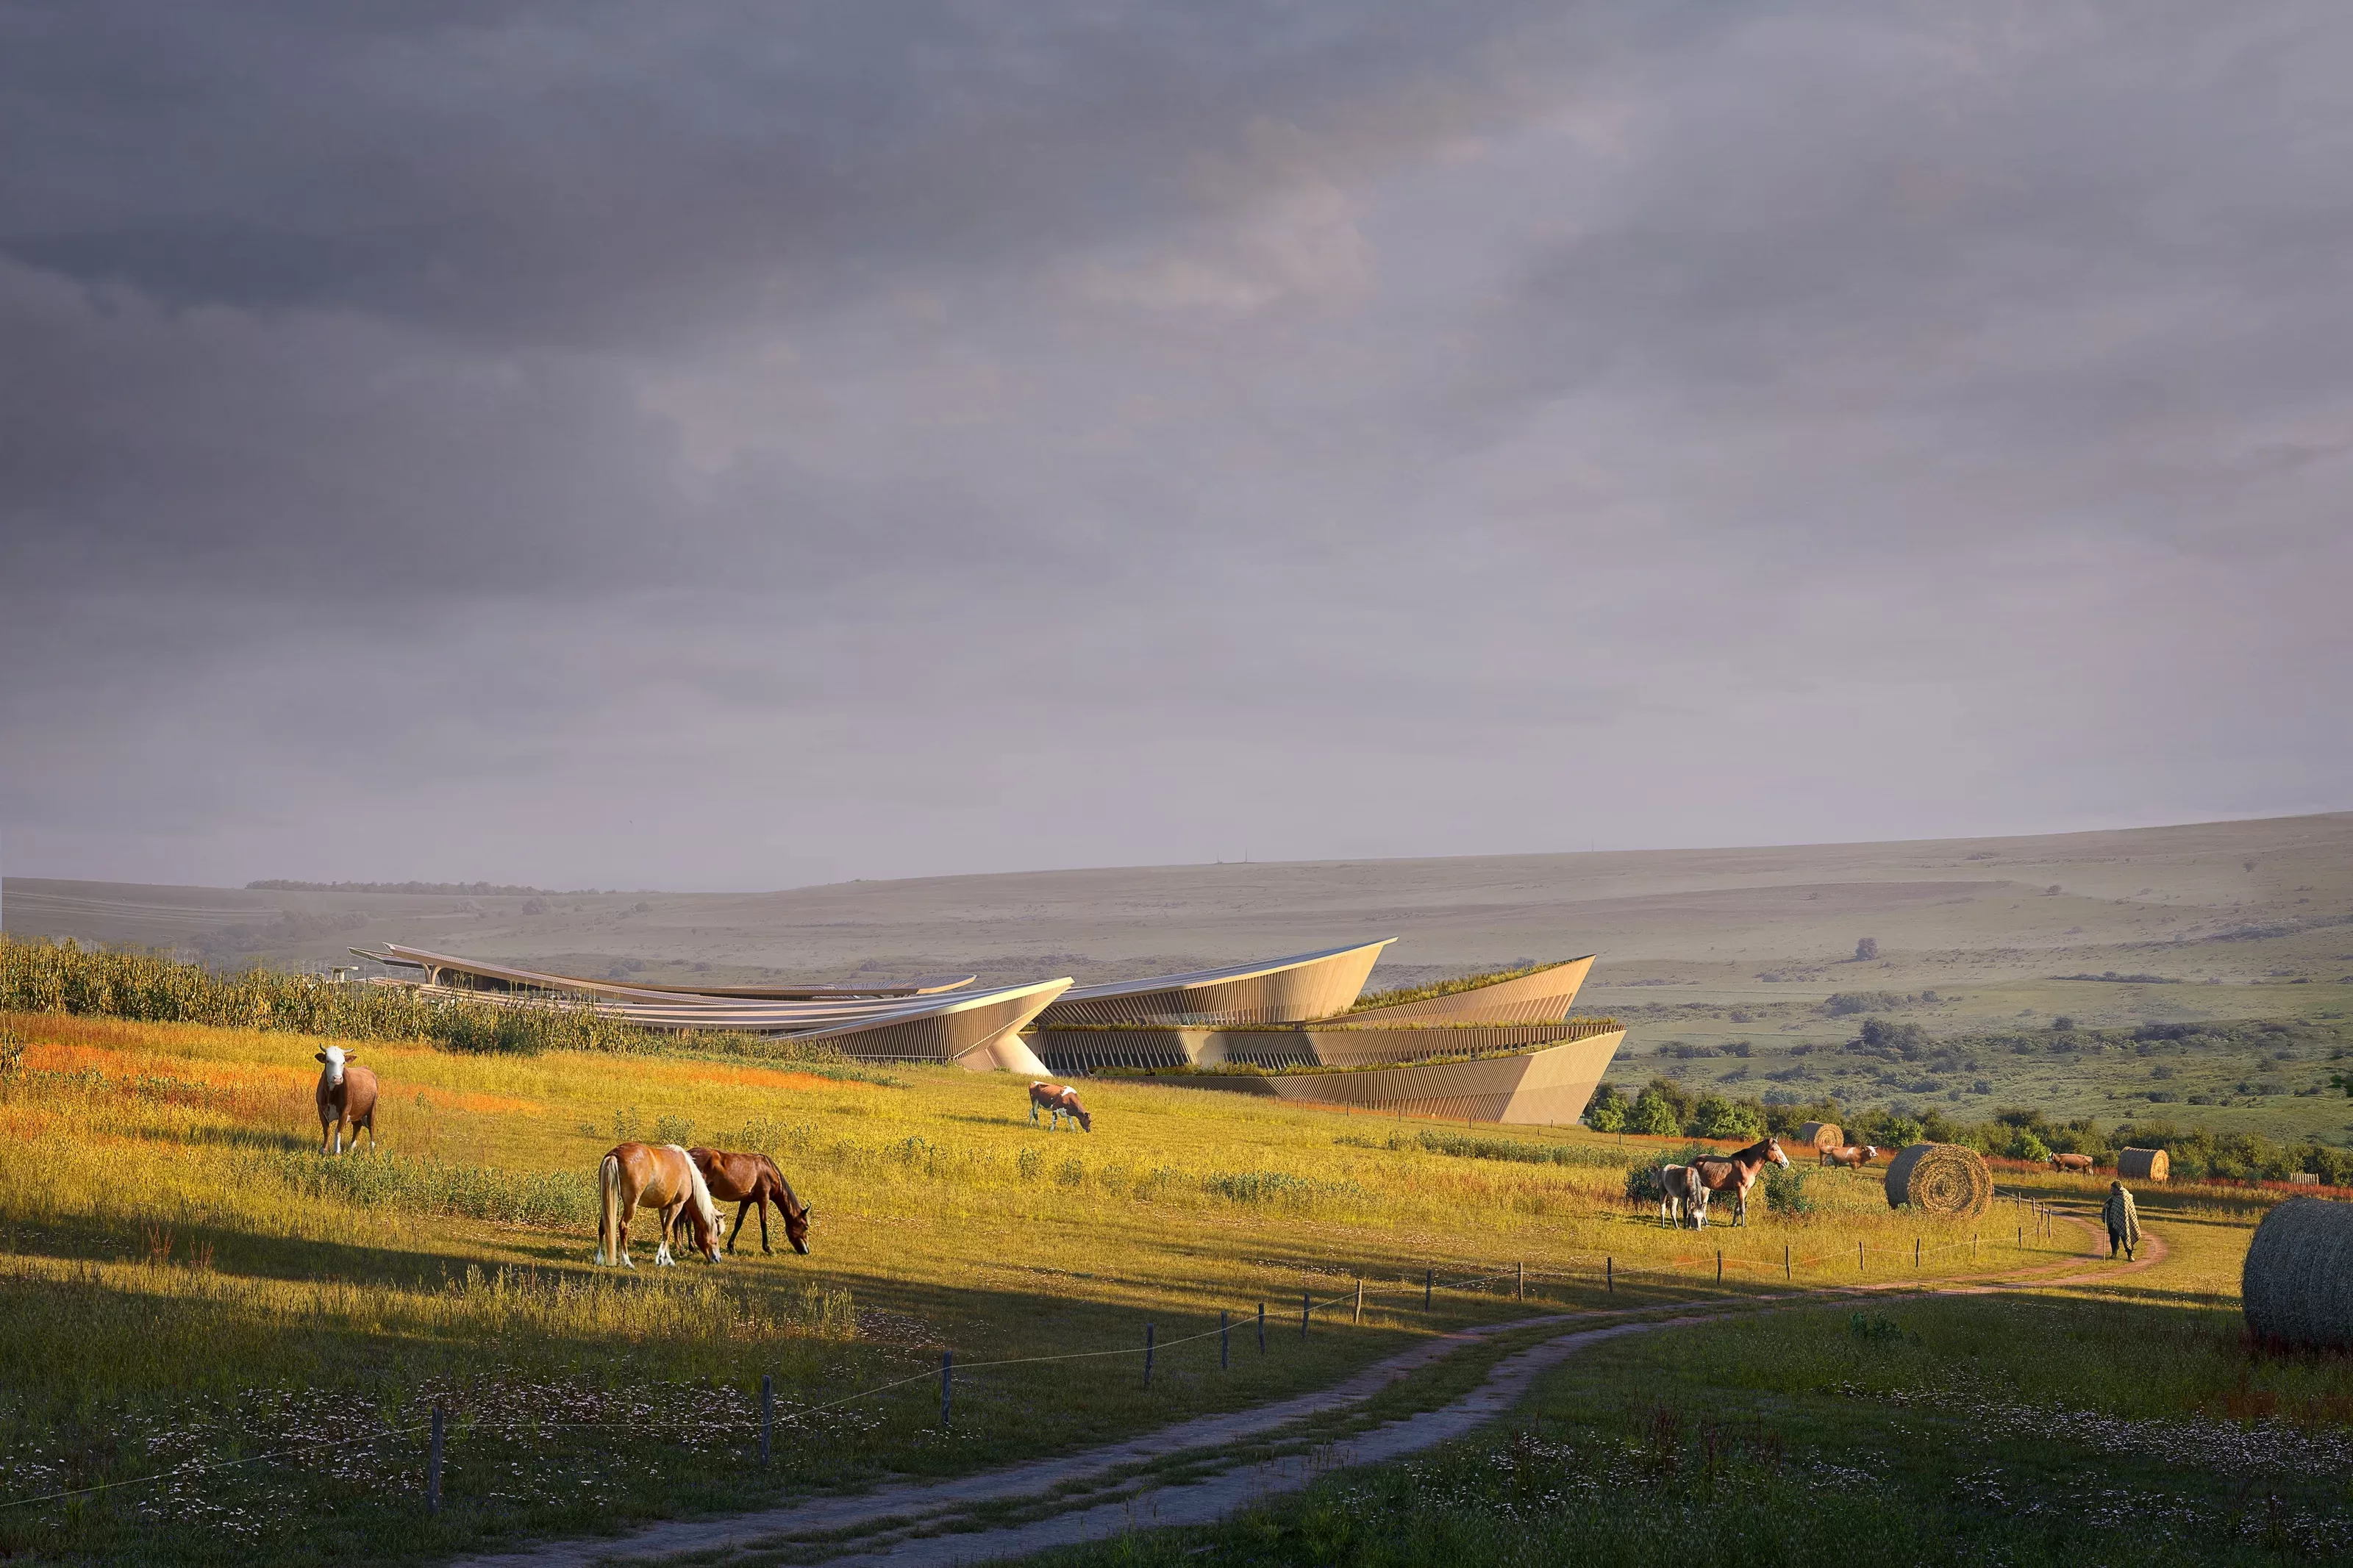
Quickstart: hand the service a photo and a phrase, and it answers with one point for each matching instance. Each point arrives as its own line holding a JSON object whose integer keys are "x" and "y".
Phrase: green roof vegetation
{"x": 1436, "y": 988}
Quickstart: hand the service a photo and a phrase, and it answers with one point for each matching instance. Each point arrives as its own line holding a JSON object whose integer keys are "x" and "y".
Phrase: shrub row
{"x": 62, "y": 977}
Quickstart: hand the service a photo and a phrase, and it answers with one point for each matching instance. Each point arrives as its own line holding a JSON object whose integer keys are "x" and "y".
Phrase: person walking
{"x": 2124, "y": 1221}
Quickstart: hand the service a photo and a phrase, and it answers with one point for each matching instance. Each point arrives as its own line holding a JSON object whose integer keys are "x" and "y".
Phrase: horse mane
{"x": 787, "y": 1200}
{"x": 706, "y": 1212}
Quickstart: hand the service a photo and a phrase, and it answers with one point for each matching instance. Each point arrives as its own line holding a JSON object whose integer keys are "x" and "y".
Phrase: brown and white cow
{"x": 2070, "y": 1162}
{"x": 1850, "y": 1156}
{"x": 346, "y": 1098}
{"x": 1058, "y": 1102}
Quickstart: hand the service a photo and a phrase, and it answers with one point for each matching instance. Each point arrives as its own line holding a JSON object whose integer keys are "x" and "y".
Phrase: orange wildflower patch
{"x": 61, "y": 1057}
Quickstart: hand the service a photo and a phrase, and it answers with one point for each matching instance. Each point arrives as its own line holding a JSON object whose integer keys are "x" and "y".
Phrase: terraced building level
{"x": 1493, "y": 1047}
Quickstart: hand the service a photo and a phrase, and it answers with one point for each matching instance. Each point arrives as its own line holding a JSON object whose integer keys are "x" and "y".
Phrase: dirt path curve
{"x": 923, "y": 1524}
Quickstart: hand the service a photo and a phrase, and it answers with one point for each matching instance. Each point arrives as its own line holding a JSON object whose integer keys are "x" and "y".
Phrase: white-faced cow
{"x": 346, "y": 1099}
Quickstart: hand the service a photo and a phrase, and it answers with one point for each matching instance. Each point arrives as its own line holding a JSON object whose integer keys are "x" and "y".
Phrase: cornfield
{"x": 62, "y": 977}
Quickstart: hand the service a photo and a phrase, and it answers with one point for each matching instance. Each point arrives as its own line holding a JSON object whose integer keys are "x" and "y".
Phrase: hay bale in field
{"x": 1821, "y": 1135}
{"x": 2297, "y": 1283}
{"x": 2143, "y": 1165}
{"x": 1949, "y": 1180}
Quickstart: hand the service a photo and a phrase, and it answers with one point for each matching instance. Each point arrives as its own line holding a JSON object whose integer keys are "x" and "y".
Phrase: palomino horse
{"x": 1682, "y": 1195}
{"x": 1736, "y": 1173}
{"x": 665, "y": 1179}
{"x": 346, "y": 1098}
{"x": 745, "y": 1180}
{"x": 1850, "y": 1156}
{"x": 1057, "y": 1102}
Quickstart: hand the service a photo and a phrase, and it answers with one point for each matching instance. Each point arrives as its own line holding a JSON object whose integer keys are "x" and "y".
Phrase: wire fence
{"x": 1585, "y": 1272}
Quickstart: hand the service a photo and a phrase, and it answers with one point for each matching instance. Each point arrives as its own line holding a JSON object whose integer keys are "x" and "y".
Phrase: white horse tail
{"x": 608, "y": 1222}
{"x": 700, "y": 1191}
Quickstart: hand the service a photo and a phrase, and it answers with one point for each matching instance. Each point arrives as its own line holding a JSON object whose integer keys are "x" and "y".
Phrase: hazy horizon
{"x": 581, "y": 446}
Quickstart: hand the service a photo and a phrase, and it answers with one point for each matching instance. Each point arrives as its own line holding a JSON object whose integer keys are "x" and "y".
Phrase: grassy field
{"x": 2123, "y": 1424}
{"x": 186, "y": 1282}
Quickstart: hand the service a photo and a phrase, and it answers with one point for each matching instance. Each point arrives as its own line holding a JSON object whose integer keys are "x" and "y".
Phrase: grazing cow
{"x": 663, "y": 1177}
{"x": 1682, "y": 1197}
{"x": 2070, "y": 1162}
{"x": 1058, "y": 1102}
{"x": 745, "y": 1180}
{"x": 346, "y": 1098}
{"x": 1736, "y": 1173}
{"x": 1850, "y": 1156}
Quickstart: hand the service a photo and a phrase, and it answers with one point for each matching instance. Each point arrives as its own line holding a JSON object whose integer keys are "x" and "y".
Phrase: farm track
{"x": 1178, "y": 1476}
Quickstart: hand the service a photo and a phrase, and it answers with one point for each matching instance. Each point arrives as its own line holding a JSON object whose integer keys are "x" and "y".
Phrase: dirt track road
{"x": 918, "y": 1525}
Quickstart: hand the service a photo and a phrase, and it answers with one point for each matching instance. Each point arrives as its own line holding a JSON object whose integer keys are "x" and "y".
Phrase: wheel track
{"x": 930, "y": 1524}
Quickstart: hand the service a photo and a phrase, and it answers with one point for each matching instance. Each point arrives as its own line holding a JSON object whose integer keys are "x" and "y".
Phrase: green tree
{"x": 1653, "y": 1117}
{"x": 1718, "y": 1117}
{"x": 1867, "y": 950}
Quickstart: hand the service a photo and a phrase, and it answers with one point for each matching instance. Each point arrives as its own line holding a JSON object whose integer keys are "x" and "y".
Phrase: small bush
{"x": 1785, "y": 1190}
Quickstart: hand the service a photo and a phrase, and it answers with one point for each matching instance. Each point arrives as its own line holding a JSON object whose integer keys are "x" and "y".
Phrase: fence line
{"x": 1518, "y": 1273}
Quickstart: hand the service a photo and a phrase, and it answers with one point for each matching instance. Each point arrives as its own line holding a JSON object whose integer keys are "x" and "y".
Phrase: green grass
{"x": 185, "y": 1281}
{"x": 2126, "y": 1423}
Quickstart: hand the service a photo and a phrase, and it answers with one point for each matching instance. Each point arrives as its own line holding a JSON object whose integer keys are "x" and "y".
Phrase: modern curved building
{"x": 1278, "y": 990}
{"x": 1498, "y": 1047}
{"x": 1493, "y": 1047}
{"x": 935, "y": 1020}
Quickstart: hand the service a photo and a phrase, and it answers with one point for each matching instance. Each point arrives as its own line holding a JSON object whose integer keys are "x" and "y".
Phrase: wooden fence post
{"x": 1306, "y": 1305}
{"x": 1360, "y": 1298}
{"x": 1719, "y": 1266}
{"x": 1261, "y": 1327}
{"x": 1225, "y": 1341}
{"x": 1429, "y": 1283}
{"x": 1520, "y": 1281}
{"x": 1147, "y": 1355}
{"x": 1786, "y": 1274}
{"x": 947, "y": 1386}
{"x": 1609, "y": 1275}
{"x": 433, "y": 1467}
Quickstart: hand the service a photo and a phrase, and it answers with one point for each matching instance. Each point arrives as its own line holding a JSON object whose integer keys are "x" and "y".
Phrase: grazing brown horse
{"x": 1736, "y": 1173}
{"x": 745, "y": 1180}
{"x": 346, "y": 1098}
{"x": 663, "y": 1177}
{"x": 1682, "y": 1197}
{"x": 1850, "y": 1156}
{"x": 2071, "y": 1162}
{"x": 1057, "y": 1102}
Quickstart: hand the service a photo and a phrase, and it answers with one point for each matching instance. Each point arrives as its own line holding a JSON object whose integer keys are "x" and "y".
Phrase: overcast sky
{"x": 738, "y": 447}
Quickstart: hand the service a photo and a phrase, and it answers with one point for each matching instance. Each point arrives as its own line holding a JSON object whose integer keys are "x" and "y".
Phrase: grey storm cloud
{"x": 714, "y": 446}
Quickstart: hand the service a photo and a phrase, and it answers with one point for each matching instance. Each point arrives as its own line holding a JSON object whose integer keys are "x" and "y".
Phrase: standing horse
{"x": 1057, "y": 1102}
{"x": 1736, "y": 1173}
{"x": 1850, "y": 1156}
{"x": 346, "y": 1098}
{"x": 1682, "y": 1195}
{"x": 745, "y": 1180}
{"x": 663, "y": 1177}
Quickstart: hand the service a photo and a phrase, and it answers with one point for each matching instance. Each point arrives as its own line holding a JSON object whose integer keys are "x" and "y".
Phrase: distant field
{"x": 185, "y": 1280}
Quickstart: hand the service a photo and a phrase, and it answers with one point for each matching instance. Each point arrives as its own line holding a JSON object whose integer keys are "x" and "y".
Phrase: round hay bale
{"x": 1949, "y": 1180}
{"x": 2298, "y": 1284}
{"x": 1821, "y": 1135}
{"x": 2143, "y": 1165}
